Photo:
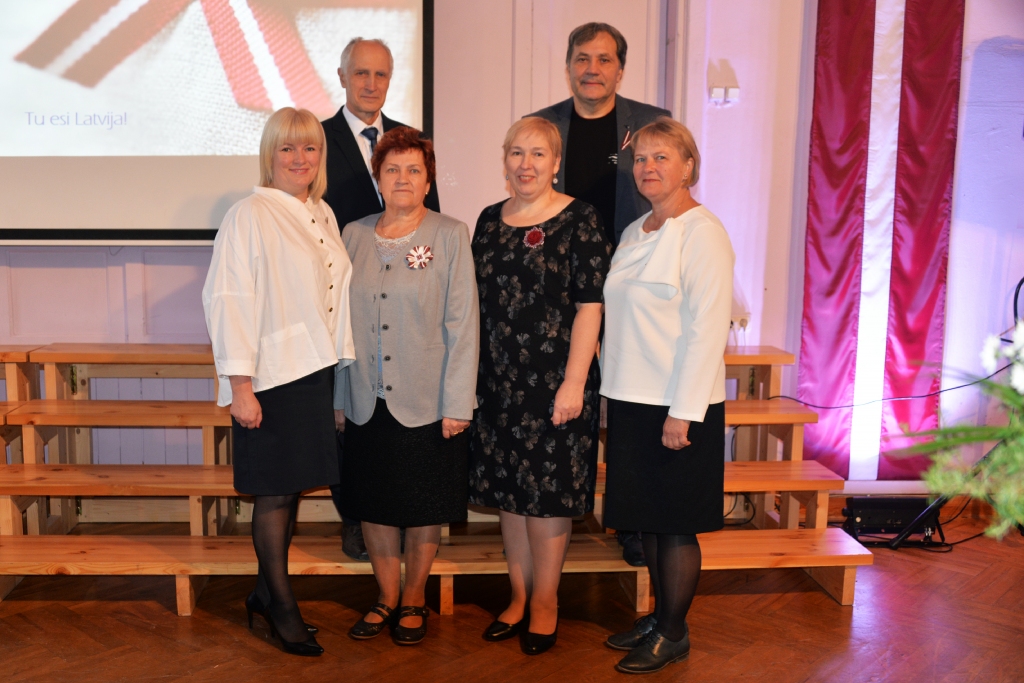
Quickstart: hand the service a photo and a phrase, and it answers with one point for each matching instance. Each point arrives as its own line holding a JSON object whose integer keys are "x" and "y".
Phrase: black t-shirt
{"x": 591, "y": 159}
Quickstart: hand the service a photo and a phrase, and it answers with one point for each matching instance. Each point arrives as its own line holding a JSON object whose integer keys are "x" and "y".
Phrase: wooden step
{"x": 780, "y": 475}
{"x": 757, "y": 355}
{"x": 125, "y": 354}
{"x": 120, "y": 414}
{"x": 118, "y": 480}
{"x": 829, "y": 555}
{"x": 780, "y": 411}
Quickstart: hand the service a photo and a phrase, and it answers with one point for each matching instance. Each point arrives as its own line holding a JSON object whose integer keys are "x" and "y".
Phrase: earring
{"x": 506, "y": 176}
{"x": 555, "y": 181}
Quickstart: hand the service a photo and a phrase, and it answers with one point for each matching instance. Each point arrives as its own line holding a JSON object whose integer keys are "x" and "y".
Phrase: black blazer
{"x": 630, "y": 117}
{"x": 350, "y": 190}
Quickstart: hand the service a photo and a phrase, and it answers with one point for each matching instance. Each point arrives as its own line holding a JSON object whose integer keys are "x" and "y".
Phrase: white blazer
{"x": 276, "y": 294}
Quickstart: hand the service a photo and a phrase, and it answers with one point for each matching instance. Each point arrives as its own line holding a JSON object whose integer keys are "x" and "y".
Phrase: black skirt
{"x": 653, "y": 489}
{"x": 295, "y": 448}
{"x": 403, "y": 476}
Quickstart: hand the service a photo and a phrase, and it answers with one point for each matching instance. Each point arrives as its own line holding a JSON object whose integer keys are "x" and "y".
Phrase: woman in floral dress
{"x": 541, "y": 260}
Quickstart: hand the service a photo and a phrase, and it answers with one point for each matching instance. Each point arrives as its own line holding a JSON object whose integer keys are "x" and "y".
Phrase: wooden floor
{"x": 919, "y": 616}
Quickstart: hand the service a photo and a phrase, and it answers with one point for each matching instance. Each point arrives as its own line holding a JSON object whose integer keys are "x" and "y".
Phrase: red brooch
{"x": 419, "y": 257}
{"x": 534, "y": 237}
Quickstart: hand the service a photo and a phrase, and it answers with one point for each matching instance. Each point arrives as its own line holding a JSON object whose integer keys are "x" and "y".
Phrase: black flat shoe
{"x": 632, "y": 548}
{"x": 405, "y": 635}
{"x": 499, "y": 630}
{"x": 253, "y": 605}
{"x": 364, "y": 630}
{"x": 654, "y": 654}
{"x": 633, "y": 637}
{"x": 309, "y": 648}
{"x": 535, "y": 644}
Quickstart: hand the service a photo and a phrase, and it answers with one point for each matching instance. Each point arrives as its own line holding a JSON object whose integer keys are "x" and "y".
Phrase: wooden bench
{"x": 799, "y": 481}
{"x": 829, "y": 556}
{"x": 21, "y": 375}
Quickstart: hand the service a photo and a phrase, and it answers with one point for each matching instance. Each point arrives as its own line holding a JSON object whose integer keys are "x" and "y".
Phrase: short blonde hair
{"x": 678, "y": 136}
{"x": 298, "y": 126}
{"x": 534, "y": 124}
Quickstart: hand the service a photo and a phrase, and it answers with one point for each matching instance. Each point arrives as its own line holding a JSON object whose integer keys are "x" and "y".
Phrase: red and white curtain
{"x": 883, "y": 138}
{"x": 258, "y": 43}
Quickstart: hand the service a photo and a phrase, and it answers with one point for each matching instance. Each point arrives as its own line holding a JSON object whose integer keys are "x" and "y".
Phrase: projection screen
{"x": 139, "y": 120}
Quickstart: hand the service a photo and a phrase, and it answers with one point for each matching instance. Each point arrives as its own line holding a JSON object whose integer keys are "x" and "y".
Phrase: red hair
{"x": 404, "y": 139}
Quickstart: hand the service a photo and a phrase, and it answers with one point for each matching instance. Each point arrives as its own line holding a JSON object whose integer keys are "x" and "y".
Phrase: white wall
{"x": 986, "y": 255}
{"x": 500, "y": 59}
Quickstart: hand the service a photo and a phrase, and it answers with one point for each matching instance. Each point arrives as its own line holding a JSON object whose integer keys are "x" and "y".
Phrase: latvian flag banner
{"x": 883, "y": 139}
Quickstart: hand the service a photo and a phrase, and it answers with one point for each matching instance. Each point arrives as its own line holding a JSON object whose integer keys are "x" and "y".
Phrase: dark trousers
{"x": 336, "y": 488}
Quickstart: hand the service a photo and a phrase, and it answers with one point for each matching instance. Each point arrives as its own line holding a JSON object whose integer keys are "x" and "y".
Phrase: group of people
{"x": 370, "y": 343}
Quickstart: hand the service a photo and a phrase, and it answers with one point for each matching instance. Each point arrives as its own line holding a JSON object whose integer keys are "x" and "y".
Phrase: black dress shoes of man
{"x": 654, "y": 653}
{"x": 535, "y": 644}
{"x": 352, "y": 543}
{"x": 633, "y": 637}
{"x": 632, "y": 548}
{"x": 499, "y": 630}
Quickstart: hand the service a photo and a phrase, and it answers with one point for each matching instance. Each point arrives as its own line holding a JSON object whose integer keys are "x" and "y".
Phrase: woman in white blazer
{"x": 668, "y": 301}
{"x": 276, "y": 303}
{"x": 410, "y": 395}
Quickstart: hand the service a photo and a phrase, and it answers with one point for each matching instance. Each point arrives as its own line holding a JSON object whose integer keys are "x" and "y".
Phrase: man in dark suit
{"x": 597, "y": 164}
{"x": 597, "y": 125}
{"x": 352, "y": 134}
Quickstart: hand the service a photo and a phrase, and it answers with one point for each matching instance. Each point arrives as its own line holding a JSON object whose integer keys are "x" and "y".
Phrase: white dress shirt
{"x": 668, "y": 303}
{"x": 276, "y": 296}
{"x": 358, "y": 127}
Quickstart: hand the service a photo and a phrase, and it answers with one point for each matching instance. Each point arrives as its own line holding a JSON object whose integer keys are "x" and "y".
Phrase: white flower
{"x": 990, "y": 353}
{"x": 1017, "y": 377}
{"x": 1017, "y": 350}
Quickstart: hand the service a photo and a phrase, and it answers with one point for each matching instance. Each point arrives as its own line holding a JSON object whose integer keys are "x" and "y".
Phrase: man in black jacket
{"x": 352, "y": 134}
{"x": 597, "y": 125}
{"x": 597, "y": 165}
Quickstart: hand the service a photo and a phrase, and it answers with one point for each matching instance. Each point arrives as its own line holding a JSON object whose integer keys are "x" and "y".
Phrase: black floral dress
{"x": 530, "y": 280}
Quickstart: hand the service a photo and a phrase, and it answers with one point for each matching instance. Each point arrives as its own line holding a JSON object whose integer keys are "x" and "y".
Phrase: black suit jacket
{"x": 350, "y": 192}
{"x": 630, "y": 116}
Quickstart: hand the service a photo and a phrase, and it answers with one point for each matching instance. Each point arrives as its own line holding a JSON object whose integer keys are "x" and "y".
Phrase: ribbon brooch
{"x": 418, "y": 257}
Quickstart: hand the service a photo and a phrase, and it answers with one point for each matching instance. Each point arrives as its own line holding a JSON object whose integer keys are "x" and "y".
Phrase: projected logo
{"x": 263, "y": 55}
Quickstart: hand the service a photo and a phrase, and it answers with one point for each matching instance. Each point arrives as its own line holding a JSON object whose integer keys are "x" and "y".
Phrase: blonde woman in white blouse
{"x": 668, "y": 300}
{"x": 277, "y": 309}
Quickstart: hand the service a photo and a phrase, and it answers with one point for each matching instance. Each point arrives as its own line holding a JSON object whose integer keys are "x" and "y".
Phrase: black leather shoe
{"x": 364, "y": 630}
{"x": 633, "y": 637}
{"x": 406, "y": 635}
{"x": 352, "y": 543}
{"x": 253, "y": 605}
{"x": 499, "y": 630}
{"x": 309, "y": 648}
{"x": 632, "y": 548}
{"x": 654, "y": 654}
{"x": 535, "y": 644}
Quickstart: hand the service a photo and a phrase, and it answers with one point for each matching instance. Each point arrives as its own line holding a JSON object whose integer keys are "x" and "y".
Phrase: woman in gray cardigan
{"x": 409, "y": 397}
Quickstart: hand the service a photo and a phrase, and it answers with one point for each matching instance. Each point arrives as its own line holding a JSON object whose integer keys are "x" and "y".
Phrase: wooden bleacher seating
{"x": 829, "y": 556}
{"x": 38, "y": 418}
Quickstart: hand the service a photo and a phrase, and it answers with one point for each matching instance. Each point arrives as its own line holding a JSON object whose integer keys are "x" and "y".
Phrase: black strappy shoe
{"x": 364, "y": 630}
{"x": 405, "y": 635}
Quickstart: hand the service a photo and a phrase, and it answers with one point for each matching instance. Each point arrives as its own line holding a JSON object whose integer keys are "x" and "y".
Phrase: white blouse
{"x": 668, "y": 303}
{"x": 276, "y": 295}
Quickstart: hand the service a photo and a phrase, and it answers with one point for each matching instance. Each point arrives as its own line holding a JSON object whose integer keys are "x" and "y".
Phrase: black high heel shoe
{"x": 253, "y": 604}
{"x": 406, "y": 635}
{"x": 309, "y": 648}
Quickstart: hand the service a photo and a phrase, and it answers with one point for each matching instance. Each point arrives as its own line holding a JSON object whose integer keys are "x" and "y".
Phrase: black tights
{"x": 673, "y": 561}
{"x": 273, "y": 521}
